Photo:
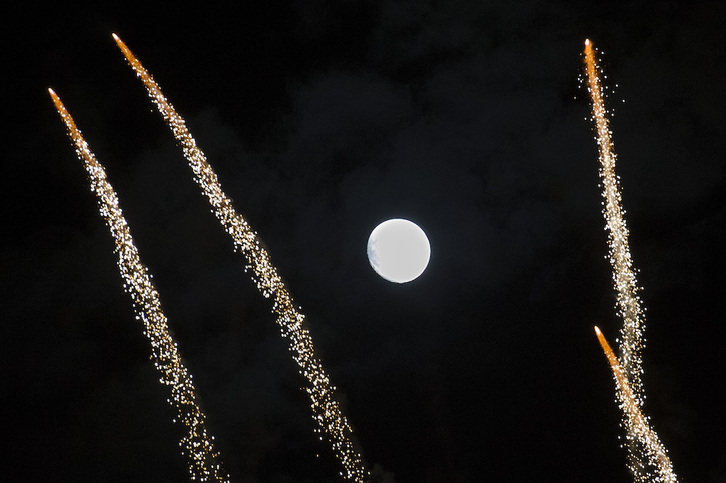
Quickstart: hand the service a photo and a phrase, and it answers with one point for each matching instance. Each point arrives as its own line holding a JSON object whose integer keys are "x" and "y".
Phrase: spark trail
{"x": 637, "y": 423}
{"x": 203, "y": 461}
{"x": 326, "y": 409}
{"x": 626, "y": 286}
{"x": 620, "y": 258}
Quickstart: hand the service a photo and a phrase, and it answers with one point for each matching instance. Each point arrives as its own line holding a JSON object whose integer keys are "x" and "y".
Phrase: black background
{"x": 323, "y": 119}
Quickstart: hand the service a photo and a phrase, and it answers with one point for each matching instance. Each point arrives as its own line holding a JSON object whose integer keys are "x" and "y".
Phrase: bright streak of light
{"x": 203, "y": 461}
{"x": 628, "y": 301}
{"x": 637, "y": 424}
{"x": 620, "y": 259}
{"x": 326, "y": 409}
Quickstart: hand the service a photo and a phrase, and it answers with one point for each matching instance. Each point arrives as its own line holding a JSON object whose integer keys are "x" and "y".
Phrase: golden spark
{"x": 626, "y": 287}
{"x": 326, "y": 409}
{"x": 620, "y": 258}
{"x": 197, "y": 446}
{"x": 636, "y": 422}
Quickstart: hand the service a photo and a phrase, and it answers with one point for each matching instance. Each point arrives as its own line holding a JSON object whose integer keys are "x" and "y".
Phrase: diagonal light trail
{"x": 326, "y": 409}
{"x": 637, "y": 423}
{"x": 620, "y": 258}
{"x": 197, "y": 446}
{"x": 639, "y": 442}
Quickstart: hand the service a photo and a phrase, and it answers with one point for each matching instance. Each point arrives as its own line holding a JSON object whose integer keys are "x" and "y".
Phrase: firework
{"x": 636, "y": 423}
{"x": 196, "y": 444}
{"x": 628, "y": 302}
{"x": 620, "y": 258}
{"x": 326, "y": 409}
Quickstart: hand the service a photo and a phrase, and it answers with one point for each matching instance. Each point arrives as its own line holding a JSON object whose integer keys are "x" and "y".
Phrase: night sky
{"x": 323, "y": 119}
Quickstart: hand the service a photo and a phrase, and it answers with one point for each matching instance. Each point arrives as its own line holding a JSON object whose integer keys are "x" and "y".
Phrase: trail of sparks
{"x": 203, "y": 461}
{"x": 620, "y": 259}
{"x": 636, "y": 421}
{"x": 628, "y": 301}
{"x": 326, "y": 409}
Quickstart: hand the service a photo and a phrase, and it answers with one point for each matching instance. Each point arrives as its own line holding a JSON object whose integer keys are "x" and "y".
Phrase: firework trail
{"x": 628, "y": 301}
{"x": 196, "y": 444}
{"x": 326, "y": 409}
{"x": 620, "y": 259}
{"x": 638, "y": 426}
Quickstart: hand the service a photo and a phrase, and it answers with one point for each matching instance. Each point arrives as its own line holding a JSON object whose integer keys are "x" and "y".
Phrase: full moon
{"x": 398, "y": 250}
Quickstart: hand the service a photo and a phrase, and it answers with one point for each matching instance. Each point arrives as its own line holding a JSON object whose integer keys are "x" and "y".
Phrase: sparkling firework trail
{"x": 326, "y": 409}
{"x": 628, "y": 301}
{"x": 197, "y": 447}
{"x": 620, "y": 259}
{"x": 637, "y": 423}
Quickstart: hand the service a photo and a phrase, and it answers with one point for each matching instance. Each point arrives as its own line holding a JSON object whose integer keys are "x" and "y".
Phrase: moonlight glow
{"x": 399, "y": 250}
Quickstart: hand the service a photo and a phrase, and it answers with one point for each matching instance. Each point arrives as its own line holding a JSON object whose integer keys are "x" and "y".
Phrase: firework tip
{"x": 597, "y": 331}
{"x": 53, "y": 95}
{"x": 587, "y": 41}
{"x": 115, "y": 37}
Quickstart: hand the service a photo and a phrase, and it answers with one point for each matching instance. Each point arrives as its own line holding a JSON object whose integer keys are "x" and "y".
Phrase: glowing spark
{"x": 625, "y": 284}
{"x": 326, "y": 409}
{"x": 637, "y": 423}
{"x": 196, "y": 445}
{"x": 620, "y": 259}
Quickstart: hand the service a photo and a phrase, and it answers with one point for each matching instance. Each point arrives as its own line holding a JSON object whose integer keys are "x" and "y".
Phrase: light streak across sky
{"x": 326, "y": 409}
{"x": 620, "y": 258}
{"x": 630, "y": 394}
{"x": 197, "y": 446}
{"x": 636, "y": 422}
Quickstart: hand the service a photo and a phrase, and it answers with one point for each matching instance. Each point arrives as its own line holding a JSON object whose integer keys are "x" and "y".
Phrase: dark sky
{"x": 323, "y": 119}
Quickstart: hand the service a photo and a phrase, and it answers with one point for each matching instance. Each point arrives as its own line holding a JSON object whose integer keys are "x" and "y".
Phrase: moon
{"x": 398, "y": 250}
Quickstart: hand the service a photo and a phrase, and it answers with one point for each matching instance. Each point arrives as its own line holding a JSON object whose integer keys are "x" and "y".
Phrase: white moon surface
{"x": 399, "y": 250}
